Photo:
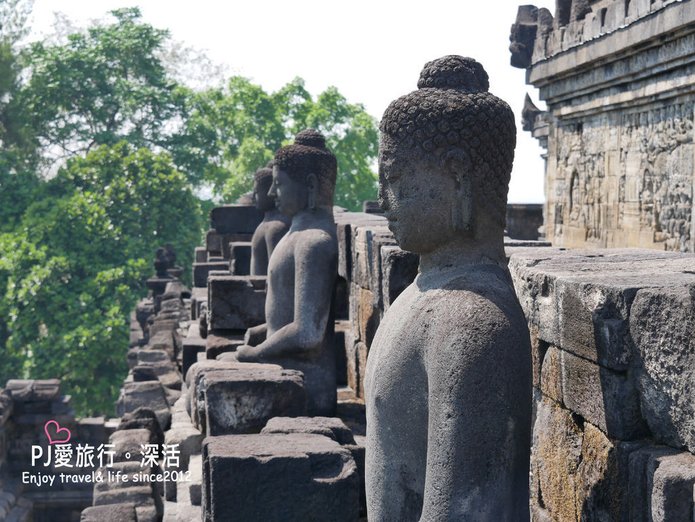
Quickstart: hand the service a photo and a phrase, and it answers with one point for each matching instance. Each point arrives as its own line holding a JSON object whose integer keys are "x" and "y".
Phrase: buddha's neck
{"x": 461, "y": 252}
{"x": 306, "y": 218}
{"x": 272, "y": 214}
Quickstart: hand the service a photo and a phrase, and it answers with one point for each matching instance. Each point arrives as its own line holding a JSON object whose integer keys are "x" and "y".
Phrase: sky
{"x": 371, "y": 50}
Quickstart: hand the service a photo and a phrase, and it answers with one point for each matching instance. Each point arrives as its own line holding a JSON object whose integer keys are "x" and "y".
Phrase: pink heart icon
{"x": 61, "y": 435}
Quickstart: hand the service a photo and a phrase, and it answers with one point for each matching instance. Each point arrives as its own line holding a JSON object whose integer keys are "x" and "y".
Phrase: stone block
{"x": 235, "y": 219}
{"x": 150, "y": 395}
{"x": 341, "y": 328}
{"x": 660, "y": 484}
{"x": 244, "y": 399}
{"x": 195, "y": 468}
{"x": 217, "y": 343}
{"x": 662, "y": 324}
{"x": 200, "y": 255}
{"x": 33, "y": 396}
{"x": 551, "y": 374}
{"x": 189, "y": 442}
{"x": 240, "y": 257}
{"x": 331, "y": 427}
{"x": 606, "y": 398}
{"x": 580, "y": 300}
{"x": 278, "y": 478}
{"x": 368, "y": 315}
{"x": 201, "y": 271}
{"x": 577, "y": 472}
{"x": 196, "y": 393}
{"x": 398, "y": 270}
{"x": 128, "y": 443}
{"x": 193, "y": 344}
{"x": 235, "y": 302}
{"x": 124, "y": 512}
{"x": 199, "y": 296}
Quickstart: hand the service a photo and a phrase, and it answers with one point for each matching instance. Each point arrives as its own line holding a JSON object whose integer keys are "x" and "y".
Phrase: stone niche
{"x": 618, "y": 79}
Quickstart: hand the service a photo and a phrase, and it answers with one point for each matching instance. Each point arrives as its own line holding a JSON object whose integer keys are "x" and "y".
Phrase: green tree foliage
{"x": 100, "y": 87}
{"x": 75, "y": 271}
{"x": 18, "y": 178}
{"x": 77, "y": 236}
{"x": 229, "y": 133}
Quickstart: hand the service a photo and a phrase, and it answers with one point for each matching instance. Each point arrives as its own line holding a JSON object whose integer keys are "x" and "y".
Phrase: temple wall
{"x": 619, "y": 123}
{"x": 613, "y": 345}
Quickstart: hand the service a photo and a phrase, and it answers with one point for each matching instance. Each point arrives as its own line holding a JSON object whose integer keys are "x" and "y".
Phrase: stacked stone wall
{"x": 613, "y": 339}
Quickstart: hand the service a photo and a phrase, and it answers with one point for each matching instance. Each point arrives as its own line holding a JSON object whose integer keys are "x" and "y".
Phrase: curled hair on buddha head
{"x": 263, "y": 173}
{"x": 309, "y": 155}
{"x": 453, "y": 112}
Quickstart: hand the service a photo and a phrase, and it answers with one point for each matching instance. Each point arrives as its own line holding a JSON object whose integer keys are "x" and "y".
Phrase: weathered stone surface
{"x": 200, "y": 255}
{"x": 662, "y": 324}
{"x": 188, "y": 440}
{"x": 243, "y": 400}
{"x": 268, "y": 478}
{"x": 199, "y": 296}
{"x": 240, "y": 257}
{"x": 235, "y": 302}
{"x": 124, "y": 512}
{"x": 235, "y": 219}
{"x": 660, "y": 484}
{"x": 302, "y": 272}
{"x": 24, "y": 391}
{"x": 341, "y": 329}
{"x": 196, "y": 396}
{"x": 201, "y": 271}
{"x": 193, "y": 344}
{"x": 619, "y": 135}
{"x": 454, "y": 348}
{"x": 578, "y": 473}
{"x": 368, "y": 315}
{"x": 331, "y": 427}
{"x": 551, "y": 374}
{"x": 603, "y": 397}
{"x": 129, "y": 443}
{"x": 217, "y": 343}
{"x": 580, "y": 300}
{"x": 399, "y": 269}
{"x": 145, "y": 394}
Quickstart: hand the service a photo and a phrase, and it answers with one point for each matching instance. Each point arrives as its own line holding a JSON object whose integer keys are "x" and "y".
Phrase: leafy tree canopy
{"x": 229, "y": 133}
{"x": 74, "y": 271}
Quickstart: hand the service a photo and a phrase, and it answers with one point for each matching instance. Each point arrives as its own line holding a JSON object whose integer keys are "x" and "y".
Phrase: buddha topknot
{"x": 452, "y": 109}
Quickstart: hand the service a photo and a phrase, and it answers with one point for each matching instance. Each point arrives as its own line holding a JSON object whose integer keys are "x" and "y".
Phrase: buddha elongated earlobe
{"x": 312, "y": 185}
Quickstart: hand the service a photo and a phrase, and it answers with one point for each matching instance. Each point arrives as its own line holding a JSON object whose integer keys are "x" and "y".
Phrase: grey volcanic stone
{"x": 196, "y": 391}
{"x": 301, "y": 273}
{"x": 331, "y": 427}
{"x": 661, "y": 484}
{"x": 235, "y": 302}
{"x": 240, "y": 257}
{"x": 398, "y": 269}
{"x": 124, "y": 512}
{"x": 201, "y": 271}
{"x": 243, "y": 400}
{"x": 662, "y": 324}
{"x": 580, "y": 300}
{"x": 148, "y": 394}
{"x": 235, "y": 219}
{"x": 286, "y": 478}
{"x": 449, "y": 375}
{"x": 605, "y": 398}
{"x": 273, "y": 227}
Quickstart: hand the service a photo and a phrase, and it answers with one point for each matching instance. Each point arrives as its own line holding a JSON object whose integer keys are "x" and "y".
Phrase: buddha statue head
{"x": 445, "y": 158}
{"x": 262, "y": 181}
{"x": 304, "y": 174}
